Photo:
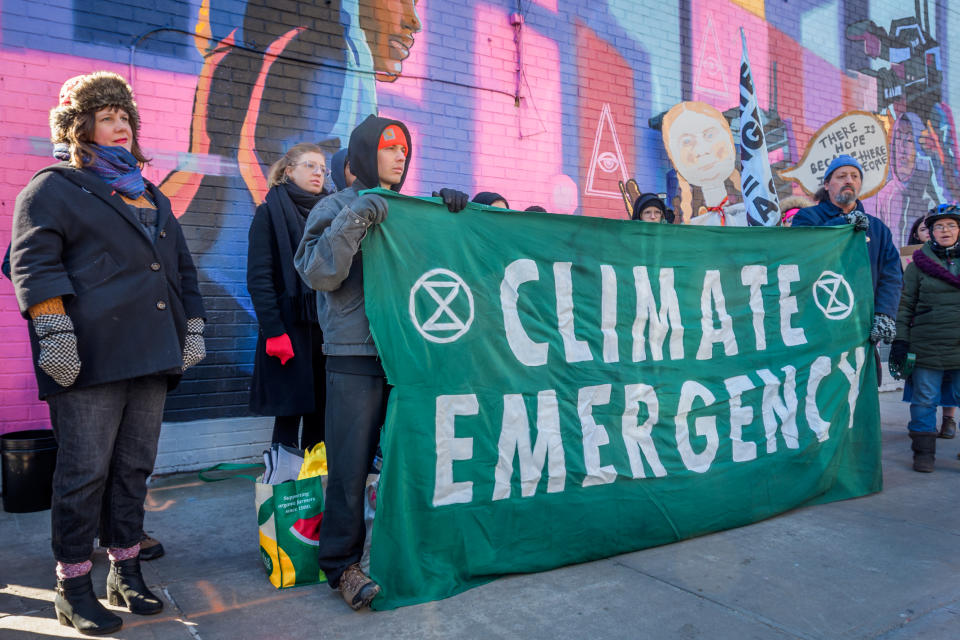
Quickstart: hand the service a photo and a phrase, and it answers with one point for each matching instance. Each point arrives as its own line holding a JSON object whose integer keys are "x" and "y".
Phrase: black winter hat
{"x": 645, "y": 200}
{"x": 488, "y": 198}
{"x": 362, "y": 151}
{"x": 91, "y": 92}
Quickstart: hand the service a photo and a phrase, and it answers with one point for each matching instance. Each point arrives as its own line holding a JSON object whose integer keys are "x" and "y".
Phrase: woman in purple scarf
{"x": 927, "y": 327}
{"x": 104, "y": 278}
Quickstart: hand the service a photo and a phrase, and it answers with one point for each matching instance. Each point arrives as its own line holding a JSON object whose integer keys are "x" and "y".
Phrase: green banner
{"x": 570, "y": 388}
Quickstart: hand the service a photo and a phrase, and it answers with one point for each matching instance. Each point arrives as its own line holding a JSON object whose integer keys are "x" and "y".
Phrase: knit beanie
{"x": 488, "y": 198}
{"x": 645, "y": 200}
{"x": 842, "y": 161}
{"x": 91, "y": 92}
{"x": 393, "y": 135}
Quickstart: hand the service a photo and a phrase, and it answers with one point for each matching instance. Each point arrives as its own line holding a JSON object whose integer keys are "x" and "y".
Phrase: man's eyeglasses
{"x": 948, "y": 226}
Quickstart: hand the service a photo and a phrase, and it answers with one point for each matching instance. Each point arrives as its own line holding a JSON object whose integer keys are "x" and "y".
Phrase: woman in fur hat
{"x": 927, "y": 327}
{"x": 789, "y": 207}
{"x": 104, "y": 278}
{"x": 289, "y": 375}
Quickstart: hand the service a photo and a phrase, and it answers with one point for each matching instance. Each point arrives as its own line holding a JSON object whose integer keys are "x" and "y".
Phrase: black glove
{"x": 371, "y": 207}
{"x": 898, "y": 357}
{"x": 859, "y": 220}
{"x": 58, "y": 348}
{"x": 194, "y": 348}
{"x": 884, "y": 328}
{"x": 455, "y": 200}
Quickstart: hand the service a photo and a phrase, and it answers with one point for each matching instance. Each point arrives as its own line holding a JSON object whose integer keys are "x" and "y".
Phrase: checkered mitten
{"x": 194, "y": 349}
{"x": 859, "y": 220}
{"x": 58, "y": 348}
{"x": 884, "y": 328}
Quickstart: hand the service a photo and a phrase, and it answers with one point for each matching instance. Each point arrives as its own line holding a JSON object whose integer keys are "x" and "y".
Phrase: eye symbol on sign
{"x": 833, "y": 295}
{"x": 447, "y": 299}
{"x": 608, "y": 162}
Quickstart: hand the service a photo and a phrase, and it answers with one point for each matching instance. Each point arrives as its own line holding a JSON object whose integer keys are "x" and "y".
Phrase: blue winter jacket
{"x": 884, "y": 255}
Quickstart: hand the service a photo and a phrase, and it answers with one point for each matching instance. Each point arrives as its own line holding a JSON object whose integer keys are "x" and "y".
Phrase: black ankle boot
{"x": 948, "y": 428}
{"x": 924, "y": 450}
{"x": 78, "y": 607}
{"x": 126, "y": 588}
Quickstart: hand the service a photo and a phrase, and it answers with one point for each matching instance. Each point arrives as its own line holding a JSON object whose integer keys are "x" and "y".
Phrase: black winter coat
{"x": 277, "y": 390}
{"x": 129, "y": 297}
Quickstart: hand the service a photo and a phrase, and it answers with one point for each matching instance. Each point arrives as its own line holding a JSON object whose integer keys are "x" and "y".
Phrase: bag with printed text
{"x": 289, "y": 516}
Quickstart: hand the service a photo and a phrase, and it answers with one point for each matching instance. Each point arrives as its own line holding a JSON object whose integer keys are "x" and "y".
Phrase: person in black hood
{"x": 340, "y": 170}
{"x": 329, "y": 260}
{"x": 648, "y": 207}
{"x": 491, "y": 199}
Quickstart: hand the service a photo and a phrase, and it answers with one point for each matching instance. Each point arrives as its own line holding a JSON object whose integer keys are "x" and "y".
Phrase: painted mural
{"x": 558, "y": 103}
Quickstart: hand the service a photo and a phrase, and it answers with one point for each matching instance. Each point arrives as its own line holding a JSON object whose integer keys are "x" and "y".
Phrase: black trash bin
{"x": 27, "y": 461}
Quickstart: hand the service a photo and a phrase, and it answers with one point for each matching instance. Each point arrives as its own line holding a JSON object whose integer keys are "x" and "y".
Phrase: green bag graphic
{"x": 289, "y": 516}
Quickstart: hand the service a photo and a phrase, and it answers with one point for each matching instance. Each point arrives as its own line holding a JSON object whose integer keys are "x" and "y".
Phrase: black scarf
{"x": 289, "y": 206}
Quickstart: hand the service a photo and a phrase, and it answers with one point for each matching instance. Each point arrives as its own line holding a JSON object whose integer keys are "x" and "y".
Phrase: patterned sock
{"x": 117, "y": 555}
{"x": 73, "y": 570}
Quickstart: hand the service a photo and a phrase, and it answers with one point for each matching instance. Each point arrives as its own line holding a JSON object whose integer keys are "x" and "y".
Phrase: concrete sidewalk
{"x": 876, "y": 567}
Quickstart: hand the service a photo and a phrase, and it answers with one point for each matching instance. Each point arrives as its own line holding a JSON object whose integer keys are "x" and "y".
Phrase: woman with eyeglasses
{"x": 288, "y": 374}
{"x": 948, "y": 426}
{"x": 927, "y": 327}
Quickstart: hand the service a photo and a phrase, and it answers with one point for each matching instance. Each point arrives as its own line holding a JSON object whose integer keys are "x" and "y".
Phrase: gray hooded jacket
{"x": 329, "y": 257}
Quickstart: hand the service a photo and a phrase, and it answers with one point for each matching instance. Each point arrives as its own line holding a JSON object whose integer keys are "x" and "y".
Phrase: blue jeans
{"x": 926, "y": 393}
{"x": 107, "y": 436}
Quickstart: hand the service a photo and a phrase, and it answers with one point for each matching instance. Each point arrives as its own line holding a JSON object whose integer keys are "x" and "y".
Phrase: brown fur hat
{"x": 795, "y": 202}
{"x": 91, "y": 92}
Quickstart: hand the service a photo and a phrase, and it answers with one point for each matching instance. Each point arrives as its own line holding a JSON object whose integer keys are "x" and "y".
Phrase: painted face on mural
{"x": 308, "y": 172}
{"x": 390, "y": 26}
{"x": 904, "y": 150}
{"x": 701, "y": 148}
{"x": 844, "y": 186}
{"x": 112, "y": 128}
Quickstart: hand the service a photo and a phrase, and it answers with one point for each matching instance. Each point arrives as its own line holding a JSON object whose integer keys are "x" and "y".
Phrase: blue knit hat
{"x": 842, "y": 161}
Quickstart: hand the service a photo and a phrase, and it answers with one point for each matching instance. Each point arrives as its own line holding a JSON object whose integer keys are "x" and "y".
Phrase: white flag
{"x": 759, "y": 195}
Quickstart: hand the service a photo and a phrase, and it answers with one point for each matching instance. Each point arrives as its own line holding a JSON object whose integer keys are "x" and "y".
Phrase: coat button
{"x": 163, "y": 234}
{"x": 161, "y": 305}
{"x": 155, "y": 266}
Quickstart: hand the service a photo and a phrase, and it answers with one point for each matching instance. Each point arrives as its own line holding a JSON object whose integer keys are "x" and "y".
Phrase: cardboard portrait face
{"x": 699, "y": 143}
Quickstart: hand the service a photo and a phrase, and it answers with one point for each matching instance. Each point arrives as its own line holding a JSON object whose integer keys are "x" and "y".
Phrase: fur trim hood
{"x": 91, "y": 92}
{"x": 795, "y": 202}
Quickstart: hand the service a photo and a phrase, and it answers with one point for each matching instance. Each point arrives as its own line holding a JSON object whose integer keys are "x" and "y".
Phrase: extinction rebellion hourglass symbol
{"x": 445, "y": 302}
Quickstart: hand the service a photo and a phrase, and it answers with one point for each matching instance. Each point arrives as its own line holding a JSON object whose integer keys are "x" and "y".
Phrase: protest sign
{"x": 569, "y": 388}
{"x": 759, "y": 193}
{"x": 856, "y": 133}
{"x": 699, "y": 143}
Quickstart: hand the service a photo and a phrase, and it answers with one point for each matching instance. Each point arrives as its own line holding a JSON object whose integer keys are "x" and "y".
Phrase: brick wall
{"x": 224, "y": 86}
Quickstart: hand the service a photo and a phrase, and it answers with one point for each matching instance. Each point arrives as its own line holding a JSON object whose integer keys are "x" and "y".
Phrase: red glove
{"x": 280, "y": 347}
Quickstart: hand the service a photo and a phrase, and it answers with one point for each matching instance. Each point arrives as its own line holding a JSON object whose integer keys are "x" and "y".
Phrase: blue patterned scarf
{"x": 119, "y": 168}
